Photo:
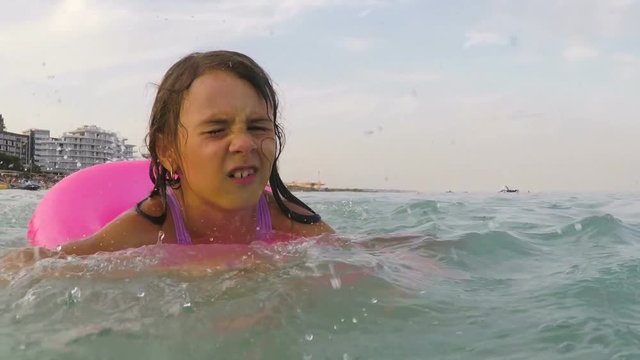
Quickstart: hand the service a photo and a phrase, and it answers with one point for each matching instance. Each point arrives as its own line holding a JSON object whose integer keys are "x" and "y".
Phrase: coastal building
{"x": 13, "y": 144}
{"x": 305, "y": 185}
{"x": 85, "y": 146}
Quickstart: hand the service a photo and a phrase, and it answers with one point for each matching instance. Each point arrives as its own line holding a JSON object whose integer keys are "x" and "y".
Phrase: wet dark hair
{"x": 165, "y": 119}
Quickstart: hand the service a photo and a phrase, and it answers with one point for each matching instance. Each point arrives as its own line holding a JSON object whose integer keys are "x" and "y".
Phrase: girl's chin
{"x": 238, "y": 200}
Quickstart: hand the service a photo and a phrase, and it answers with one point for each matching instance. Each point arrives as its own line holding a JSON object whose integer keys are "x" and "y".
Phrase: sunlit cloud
{"x": 78, "y": 35}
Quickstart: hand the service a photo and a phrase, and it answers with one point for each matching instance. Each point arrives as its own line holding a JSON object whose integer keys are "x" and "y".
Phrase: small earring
{"x": 174, "y": 179}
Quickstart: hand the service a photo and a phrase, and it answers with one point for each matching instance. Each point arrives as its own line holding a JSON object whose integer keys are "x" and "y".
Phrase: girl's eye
{"x": 258, "y": 128}
{"x": 216, "y": 132}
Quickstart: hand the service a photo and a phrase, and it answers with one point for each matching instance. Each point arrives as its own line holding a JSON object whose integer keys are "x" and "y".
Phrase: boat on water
{"x": 507, "y": 190}
{"x": 26, "y": 186}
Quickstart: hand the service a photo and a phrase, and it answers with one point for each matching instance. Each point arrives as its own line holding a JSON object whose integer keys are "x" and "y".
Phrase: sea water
{"x": 409, "y": 276}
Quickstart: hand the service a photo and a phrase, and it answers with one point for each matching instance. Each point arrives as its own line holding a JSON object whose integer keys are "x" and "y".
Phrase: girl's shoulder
{"x": 282, "y": 223}
{"x": 128, "y": 230}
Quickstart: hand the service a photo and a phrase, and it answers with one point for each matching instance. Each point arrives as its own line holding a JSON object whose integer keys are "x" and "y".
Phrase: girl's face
{"x": 226, "y": 144}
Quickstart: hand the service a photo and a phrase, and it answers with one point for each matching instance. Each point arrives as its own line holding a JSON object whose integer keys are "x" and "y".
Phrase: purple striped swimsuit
{"x": 263, "y": 218}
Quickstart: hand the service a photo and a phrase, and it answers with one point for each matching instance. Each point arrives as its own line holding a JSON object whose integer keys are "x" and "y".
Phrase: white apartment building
{"x": 77, "y": 149}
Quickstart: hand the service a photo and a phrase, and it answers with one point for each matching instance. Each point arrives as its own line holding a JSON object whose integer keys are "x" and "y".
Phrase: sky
{"x": 414, "y": 95}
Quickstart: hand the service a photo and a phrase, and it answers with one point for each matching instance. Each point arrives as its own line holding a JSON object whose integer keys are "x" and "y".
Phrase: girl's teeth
{"x": 242, "y": 174}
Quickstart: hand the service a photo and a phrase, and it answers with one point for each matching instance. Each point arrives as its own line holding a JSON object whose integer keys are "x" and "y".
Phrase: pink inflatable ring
{"x": 85, "y": 201}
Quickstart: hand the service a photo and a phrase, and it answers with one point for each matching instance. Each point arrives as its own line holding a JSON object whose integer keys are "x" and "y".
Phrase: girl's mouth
{"x": 243, "y": 175}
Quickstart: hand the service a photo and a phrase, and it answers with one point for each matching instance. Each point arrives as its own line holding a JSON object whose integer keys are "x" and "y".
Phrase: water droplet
{"x": 59, "y": 248}
{"x": 160, "y": 237}
{"x": 74, "y": 295}
{"x": 78, "y": 164}
{"x": 342, "y": 320}
{"x": 346, "y": 356}
{"x": 354, "y": 320}
{"x": 578, "y": 226}
{"x": 186, "y": 305}
{"x": 335, "y": 327}
{"x": 210, "y": 239}
{"x": 374, "y": 300}
{"x": 66, "y": 157}
{"x": 141, "y": 293}
{"x": 309, "y": 337}
{"x": 336, "y": 283}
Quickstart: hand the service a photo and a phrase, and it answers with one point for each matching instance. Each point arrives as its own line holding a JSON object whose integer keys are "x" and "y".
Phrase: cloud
{"x": 625, "y": 58}
{"x": 365, "y": 12}
{"x": 392, "y": 75}
{"x": 486, "y": 98}
{"x": 629, "y": 65}
{"x": 483, "y": 38}
{"x": 580, "y": 53}
{"x": 545, "y": 25}
{"x": 621, "y": 3}
{"x": 355, "y": 44}
{"x": 84, "y": 35}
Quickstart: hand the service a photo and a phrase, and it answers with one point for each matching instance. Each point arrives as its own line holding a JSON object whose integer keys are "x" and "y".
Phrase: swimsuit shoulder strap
{"x": 182, "y": 235}
{"x": 263, "y": 217}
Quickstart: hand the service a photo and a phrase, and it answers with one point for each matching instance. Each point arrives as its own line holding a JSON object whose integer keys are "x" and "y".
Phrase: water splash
{"x": 335, "y": 281}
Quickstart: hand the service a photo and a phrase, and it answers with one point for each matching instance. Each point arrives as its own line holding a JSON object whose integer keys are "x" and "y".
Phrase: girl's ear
{"x": 166, "y": 154}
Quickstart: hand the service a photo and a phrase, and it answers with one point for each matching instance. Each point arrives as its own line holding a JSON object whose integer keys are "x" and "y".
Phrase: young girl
{"x": 214, "y": 140}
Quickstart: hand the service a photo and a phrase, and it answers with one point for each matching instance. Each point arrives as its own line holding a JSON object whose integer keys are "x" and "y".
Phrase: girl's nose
{"x": 242, "y": 142}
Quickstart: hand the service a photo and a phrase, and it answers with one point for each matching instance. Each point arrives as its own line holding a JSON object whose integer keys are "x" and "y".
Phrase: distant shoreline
{"x": 305, "y": 189}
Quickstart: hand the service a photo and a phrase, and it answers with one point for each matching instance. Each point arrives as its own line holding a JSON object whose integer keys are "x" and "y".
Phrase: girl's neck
{"x": 208, "y": 223}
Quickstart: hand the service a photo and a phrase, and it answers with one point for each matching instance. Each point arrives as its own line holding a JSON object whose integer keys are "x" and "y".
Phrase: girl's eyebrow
{"x": 221, "y": 121}
{"x": 259, "y": 120}
{"x": 215, "y": 121}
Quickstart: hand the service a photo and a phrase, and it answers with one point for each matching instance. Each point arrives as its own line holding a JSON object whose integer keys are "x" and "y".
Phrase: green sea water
{"x": 409, "y": 276}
